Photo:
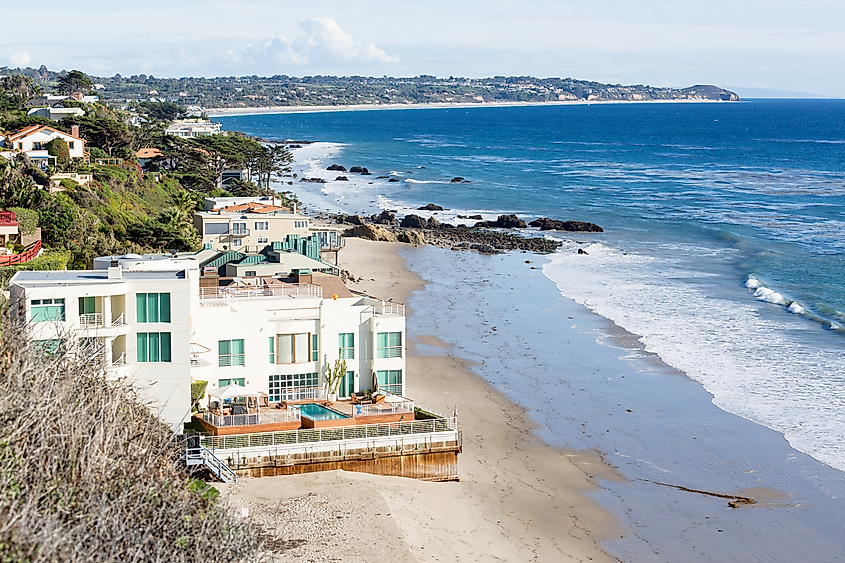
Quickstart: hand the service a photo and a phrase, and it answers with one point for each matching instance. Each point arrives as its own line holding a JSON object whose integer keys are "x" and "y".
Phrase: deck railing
{"x": 89, "y": 320}
{"x": 24, "y": 256}
{"x": 119, "y": 321}
{"x": 271, "y": 417}
{"x": 278, "y": 440}
{"x": 298, "y": 393}
{"x": 298, "y": 290}
{"x": 403, "y": 407}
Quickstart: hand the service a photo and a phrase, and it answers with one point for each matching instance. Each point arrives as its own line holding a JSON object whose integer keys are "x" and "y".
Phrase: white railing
{"x": 392, "y": 388}
{"x": 299, "y": 393}
{"x": 298, "y": 290}
{"x": 87, "y": 320}
{"x": 231, "y": 360}
{"x": 119, "y": 361}
{"x": 271, "y": 417}
{"x": 380, "y": 409}
{"x": 389, "y": 352}
{"x": 119, "y": 321}
{"x": 197, "y": 362}
{"x": 293, "y": 441}
{"x": 390, "y": 310}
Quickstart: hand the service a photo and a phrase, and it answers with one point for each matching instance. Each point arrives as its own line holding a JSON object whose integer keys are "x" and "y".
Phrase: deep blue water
{"x": 698, "y": 202}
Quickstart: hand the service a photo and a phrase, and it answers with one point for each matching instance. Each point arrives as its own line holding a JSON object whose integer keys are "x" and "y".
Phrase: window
{"x": 217, "y": 228}
{"x": 293, "y": 348}
{"x": 389, "y": 345}
{"x": 226, "y": 382}
{"x": 292, "y": 387}
{"x": 36, "y": 146}
{"x": 347, "y": 385}
{"x": 230, "y": 353}
{"x": 42, "y": 310}
{"x": 263, "y": 240}
{"x": 262, "y": 225}
{"x": 346, "y": 343}
{"x": 237, "y": 242}
{"x": 272, "y": 350}
{"x": 153, "y": 347}
{"x": 152, "y": 307}
{"x": 239, "y": 228}
{"x": 20, "y": 146}
{"x": 315, "y": 351}
{"x": 70, "y": 145}
{"x": 250, "y": 273}
{"x": 50, "y": 347}
{"x": 390, "y": 380}
{"x": 300, "y": 224}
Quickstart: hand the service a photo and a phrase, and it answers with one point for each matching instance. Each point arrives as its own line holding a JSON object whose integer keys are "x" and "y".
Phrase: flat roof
{"x": 57, "y": 277}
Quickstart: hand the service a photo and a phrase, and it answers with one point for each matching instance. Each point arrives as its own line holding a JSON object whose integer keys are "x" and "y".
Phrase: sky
{"x": 768, "y": 44}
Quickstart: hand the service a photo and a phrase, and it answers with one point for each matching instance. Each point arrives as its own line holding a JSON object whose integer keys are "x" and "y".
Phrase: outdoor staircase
{"x": 201, "y": 455}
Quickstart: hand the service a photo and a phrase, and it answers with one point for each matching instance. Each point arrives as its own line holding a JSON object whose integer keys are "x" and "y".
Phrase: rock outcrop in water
{"x": 546, "y": 224}
{"x": 504, "y": 222}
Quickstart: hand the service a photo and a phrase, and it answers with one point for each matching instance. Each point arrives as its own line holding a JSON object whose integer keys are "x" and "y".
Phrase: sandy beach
{"x": 518, "y": 499}
{"x": 228, "y": 112}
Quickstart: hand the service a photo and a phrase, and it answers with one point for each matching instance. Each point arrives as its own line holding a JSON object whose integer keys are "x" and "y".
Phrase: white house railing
{"x": 119, "y": 361}
{"x": 88, "y": 320}
{"x": 119, "y": 321}
{"x": 271, "y": 417}
{"x": 389, "y": 310}
{"x": 299, "y": 393}
{"x": 380, "y": 409}
{"x": 298, "y": 290}
{"x": 293, "y": 440}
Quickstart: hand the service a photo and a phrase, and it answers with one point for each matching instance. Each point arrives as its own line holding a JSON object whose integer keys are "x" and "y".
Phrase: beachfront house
{"x": 158, "y": 322}
{"x": 260, "y": 225}
{"x": 193, "y": 128}
{"x": 56, "y": 113}
{"x": 32, "y": 141}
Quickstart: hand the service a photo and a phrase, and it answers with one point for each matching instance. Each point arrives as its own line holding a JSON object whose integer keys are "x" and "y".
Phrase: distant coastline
{"x": 228, "y": 112}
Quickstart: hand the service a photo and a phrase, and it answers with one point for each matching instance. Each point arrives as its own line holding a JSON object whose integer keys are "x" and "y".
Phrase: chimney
{"x": 74, "y": 130}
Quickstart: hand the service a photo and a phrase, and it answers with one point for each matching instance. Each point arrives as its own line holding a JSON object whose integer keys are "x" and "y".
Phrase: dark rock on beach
{"x": 546, "y": 224}
{"x": 457, "y": 180}
{"x": 336, "y": 168}
{"x": 504, "y": 222}
{"x": 313, "y": 180}
{"x": 430, "y": 207}
{"x": 356, "y": 170}
{"x": 381, "y": 177}
{"x": 384, "y": 218}
{"x": 393, "y": 180}
{"x": 341, "y": 179}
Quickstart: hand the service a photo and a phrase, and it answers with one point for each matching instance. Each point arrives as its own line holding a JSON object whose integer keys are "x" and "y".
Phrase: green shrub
{"x": 27, "y": 218}
{"x": 49, "y": 260}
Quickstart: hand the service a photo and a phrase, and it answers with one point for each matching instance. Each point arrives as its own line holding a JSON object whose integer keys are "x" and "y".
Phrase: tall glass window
{"x": 231, "y": 353}
{"x": 293, "y": 348}
{"x": 152, "y": 307}
{"x": 153, "y": 347}
{"x": 346, "y": 343}
{"x": 389, "y": 345}
{"x": 41, "y": 310}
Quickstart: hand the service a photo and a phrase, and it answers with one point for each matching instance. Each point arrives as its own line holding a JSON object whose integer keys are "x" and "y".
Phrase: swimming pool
{"x": 319, "y": 412}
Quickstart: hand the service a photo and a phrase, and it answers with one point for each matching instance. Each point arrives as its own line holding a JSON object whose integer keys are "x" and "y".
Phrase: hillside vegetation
{"x": 88, "y": 474}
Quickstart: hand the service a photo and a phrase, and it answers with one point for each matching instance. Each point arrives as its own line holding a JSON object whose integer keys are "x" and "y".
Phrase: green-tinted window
{"x": 50, "y": 347}
{"x": 390, "y": 380}
{"x": 230, "y": 353}
{"x": 42, "y": 310}
{"x": 347, "y": 385}
{"x": 315, "y": 352}
{"x": 153, "y": 347}
{"x": 230, "y": 381}
{"x": 389, "y": 345}
{"x": 87, "y": 305}
{"x": 152, "y": 307}
{"x": 272, "y": 350}
{"x": 346, "y": 343}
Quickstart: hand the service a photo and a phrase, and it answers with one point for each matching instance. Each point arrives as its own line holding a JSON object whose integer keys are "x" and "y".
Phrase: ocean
{"x": 721, "y": 256}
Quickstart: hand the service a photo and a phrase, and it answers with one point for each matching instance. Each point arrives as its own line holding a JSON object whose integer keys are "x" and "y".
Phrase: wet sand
{"x": 518, "y": 499}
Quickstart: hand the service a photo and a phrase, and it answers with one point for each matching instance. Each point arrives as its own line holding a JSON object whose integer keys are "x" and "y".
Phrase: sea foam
{"x": 751, "y": 363}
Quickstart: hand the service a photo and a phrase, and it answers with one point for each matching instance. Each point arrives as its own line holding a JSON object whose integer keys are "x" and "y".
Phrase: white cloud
{"x": 322, "y": 42}
{"x": 21, "y": 58}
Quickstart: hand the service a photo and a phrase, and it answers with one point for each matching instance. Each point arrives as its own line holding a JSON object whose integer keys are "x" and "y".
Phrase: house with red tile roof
{"x": 33, "y": 141}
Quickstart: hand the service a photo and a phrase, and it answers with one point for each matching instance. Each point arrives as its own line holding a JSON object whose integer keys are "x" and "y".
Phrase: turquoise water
{"x": 725, "y": 226}
{"x": 319, "y": 412}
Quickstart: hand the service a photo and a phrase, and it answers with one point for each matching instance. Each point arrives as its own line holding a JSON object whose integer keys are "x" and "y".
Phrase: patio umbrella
{"x": 375, "y": 383}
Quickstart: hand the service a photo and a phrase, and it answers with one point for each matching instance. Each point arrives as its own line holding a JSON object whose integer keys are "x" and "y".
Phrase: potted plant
{"x": 334, "y": 376}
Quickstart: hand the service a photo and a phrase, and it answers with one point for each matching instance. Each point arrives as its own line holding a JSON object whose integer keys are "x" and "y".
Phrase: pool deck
{"x": 377, "y": 414}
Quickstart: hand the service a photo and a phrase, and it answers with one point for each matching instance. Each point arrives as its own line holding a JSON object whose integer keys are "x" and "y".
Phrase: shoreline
{"x": 519, "y": 499}
{"x": 230, "y": 112}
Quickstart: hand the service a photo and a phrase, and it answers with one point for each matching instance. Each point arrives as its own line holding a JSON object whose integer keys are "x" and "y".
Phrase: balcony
{"x": 210, "y": 295}
{"x": 90, "y": 320}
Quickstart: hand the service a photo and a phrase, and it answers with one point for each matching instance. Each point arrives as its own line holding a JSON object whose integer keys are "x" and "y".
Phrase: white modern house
{"x": 193, "y": 128}
{"x": 56, "y": 113}
{"x": 157, "y": 322}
